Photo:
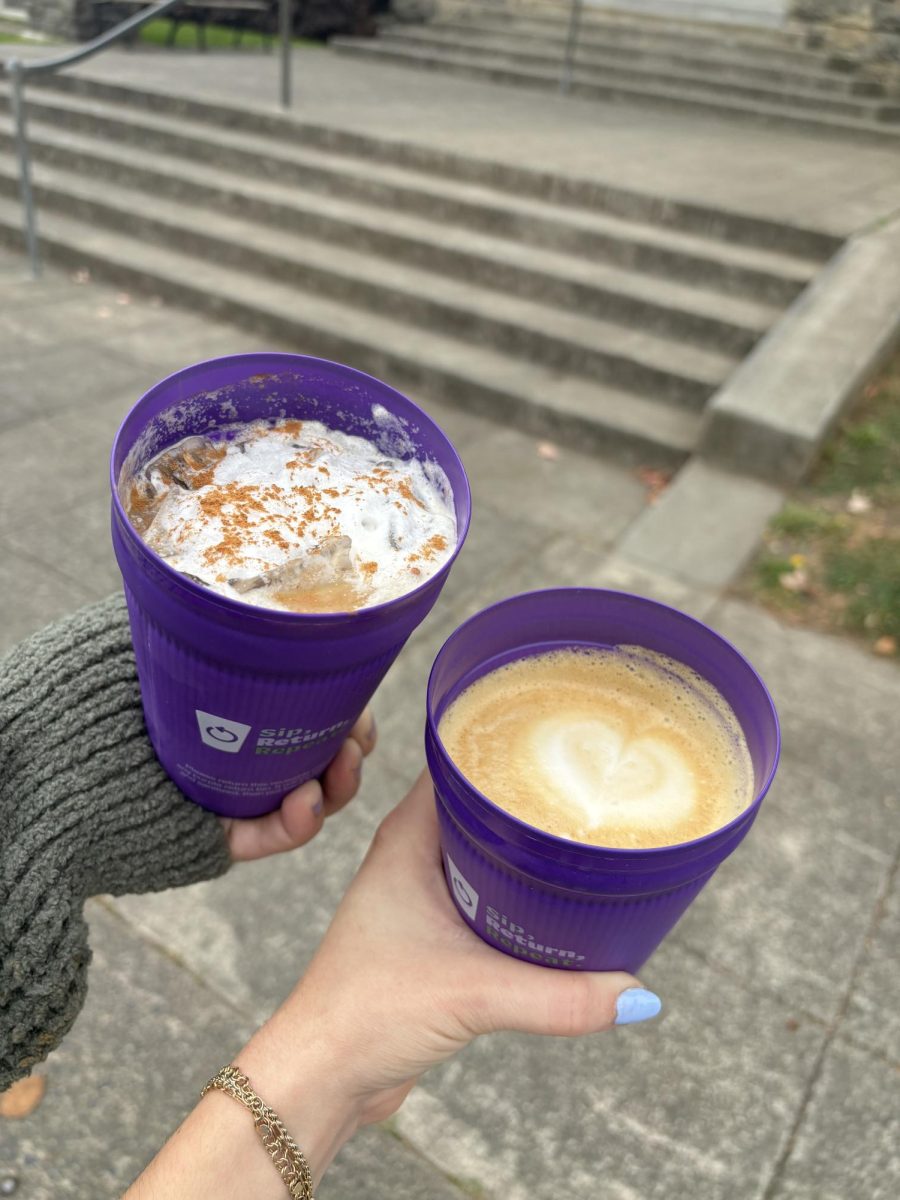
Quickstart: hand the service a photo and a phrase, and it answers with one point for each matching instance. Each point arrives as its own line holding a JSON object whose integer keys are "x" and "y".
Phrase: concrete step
{"x": 502, "y": 69}
{"x": 500, "y": 385}
{"x": 695, "y": 315}
{"x": 802, "y": 86}
{"x": 784, "y": 45}
{"x": 462, "y": 222}
{"x": 630, "y": 358}
{"x": 724, "y": 61}
{"x": 724, "y": 227}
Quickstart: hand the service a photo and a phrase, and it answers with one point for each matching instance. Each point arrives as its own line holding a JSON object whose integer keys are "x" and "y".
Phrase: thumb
{"x": 531, "y": 999}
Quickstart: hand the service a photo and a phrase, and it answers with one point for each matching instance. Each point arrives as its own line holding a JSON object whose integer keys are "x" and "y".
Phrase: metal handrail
{"x": 568, "y": 64}
{"x": 19, "y": 69}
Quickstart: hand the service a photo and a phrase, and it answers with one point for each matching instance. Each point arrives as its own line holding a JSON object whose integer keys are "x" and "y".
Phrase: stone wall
{"x": 866, "y": 31}
{"x": 73, "y": 20}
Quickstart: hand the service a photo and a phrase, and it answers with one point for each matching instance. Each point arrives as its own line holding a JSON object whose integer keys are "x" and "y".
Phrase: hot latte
{"x": 618, "y": 747}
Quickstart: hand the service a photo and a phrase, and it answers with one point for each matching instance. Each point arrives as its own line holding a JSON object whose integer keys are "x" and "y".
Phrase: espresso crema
{"x": 617, "y": 747}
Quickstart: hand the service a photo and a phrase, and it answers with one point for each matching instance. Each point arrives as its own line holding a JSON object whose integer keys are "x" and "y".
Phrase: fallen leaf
{"x": 654, "y": 480}
{"x": 794, "y": 581}
{"x": 548, "y": 451}
{"x": 22, "y": 1098}
{"x": 886, "y": 645}
{"x": 858, "y": 502}
{"x": 792, "y": 1024}
{"x": 797, "y": 561}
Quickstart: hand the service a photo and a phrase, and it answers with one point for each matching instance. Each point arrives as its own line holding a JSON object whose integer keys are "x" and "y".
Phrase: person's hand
{"x": 401, "y": 983}
{"x": 303, "y": 811}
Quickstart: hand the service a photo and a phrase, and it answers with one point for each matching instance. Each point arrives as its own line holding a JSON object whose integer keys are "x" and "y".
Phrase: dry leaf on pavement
{"x": 654, "y": 480}
{"x": 858, "y": 503}
{"x": 794, "y": 581}
{"x": 22, "y": 1098}
{"x": 886, "y": 645}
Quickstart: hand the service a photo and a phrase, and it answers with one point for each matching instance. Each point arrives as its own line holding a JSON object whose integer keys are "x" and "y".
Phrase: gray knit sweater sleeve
{"x": 85, "y": 808}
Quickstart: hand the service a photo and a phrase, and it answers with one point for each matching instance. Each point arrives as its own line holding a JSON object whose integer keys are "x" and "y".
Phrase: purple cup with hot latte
{"x": 560, "y": 899}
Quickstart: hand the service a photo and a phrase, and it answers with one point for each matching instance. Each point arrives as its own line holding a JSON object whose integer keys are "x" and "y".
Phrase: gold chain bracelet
{"x": 283, "y": 1150}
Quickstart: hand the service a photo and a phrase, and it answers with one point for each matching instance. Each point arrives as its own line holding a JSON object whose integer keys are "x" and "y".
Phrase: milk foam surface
{"x": 620, "y": 747}
{"x": 294, "y": 515}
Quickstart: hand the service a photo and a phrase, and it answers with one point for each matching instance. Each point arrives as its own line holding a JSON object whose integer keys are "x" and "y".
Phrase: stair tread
{"x": 793, "y": 267}
{"x": 646, "y": 25}
{"x": 563, "y": 394}
{"x": 665, "y": 354}
{"x": 722, "y": 50}
{"x": 588, "y": 61}
{"x": 551, "y": 78}
{"x": 716, "y": 53}
{"x": 700, "y": 301}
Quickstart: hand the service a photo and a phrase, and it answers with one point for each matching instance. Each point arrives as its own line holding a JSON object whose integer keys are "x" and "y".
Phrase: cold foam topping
{"x": 620, "y": 747}
{"x": 291, "y": 514}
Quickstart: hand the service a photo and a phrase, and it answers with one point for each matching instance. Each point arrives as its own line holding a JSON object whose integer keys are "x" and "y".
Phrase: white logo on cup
{"x": 463, "y": 892}
{"x": 220, "y": 733}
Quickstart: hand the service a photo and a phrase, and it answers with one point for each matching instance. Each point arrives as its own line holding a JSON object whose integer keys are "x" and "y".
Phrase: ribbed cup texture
{"x": 550, "y": 925}
{"x": 311, "y": 711}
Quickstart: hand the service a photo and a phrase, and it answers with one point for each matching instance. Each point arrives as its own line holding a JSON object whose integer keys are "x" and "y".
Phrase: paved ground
{"x": 772, "y": 1074}
{"x": 826, "y": 183}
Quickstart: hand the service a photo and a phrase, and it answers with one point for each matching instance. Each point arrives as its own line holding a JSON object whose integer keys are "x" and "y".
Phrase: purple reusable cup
{"x": 540, "y": 897}
{"x": 244, "y": 703}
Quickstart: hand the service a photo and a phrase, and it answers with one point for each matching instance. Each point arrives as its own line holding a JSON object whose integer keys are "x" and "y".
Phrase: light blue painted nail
{"x": 637, "y": 1004}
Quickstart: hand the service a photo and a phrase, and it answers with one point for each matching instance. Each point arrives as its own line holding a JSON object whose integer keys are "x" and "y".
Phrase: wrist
{"x": 295, "y": 1065}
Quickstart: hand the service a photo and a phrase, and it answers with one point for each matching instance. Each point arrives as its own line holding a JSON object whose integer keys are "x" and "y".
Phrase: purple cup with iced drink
{"x": 242, "y": 702}
{"x": 544, "y": 898}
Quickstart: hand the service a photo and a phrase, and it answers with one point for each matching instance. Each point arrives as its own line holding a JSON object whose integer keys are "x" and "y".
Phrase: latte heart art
{"x": 617, "y": 747}
{"x": 610, "y": 777}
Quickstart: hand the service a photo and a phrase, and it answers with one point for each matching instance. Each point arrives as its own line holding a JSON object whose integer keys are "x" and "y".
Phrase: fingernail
{"x": 637, "y": 1004}
{"x": 370, "y": 733}
{"x": 317, "y": 807}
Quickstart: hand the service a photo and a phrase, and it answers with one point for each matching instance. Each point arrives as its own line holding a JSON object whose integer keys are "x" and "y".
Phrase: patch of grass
{"x": 831, "y": 557}
{"x": 869, "y": 576}
{"x": 797, "y": 520}
{"x": 468, "y": 1187}
{"x": 218, "y": 37}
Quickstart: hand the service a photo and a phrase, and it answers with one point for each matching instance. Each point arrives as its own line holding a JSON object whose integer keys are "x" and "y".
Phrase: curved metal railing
{"x": 19, "y": 70}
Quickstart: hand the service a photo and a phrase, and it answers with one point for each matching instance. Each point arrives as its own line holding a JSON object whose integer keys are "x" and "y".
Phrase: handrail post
{"x": 565, "y": 79}
{"x": 285, "y": 26}
{"x": 17, "y": 101}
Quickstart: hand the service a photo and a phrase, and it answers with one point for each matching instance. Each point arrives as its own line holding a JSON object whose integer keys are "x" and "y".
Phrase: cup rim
{"x": 241, "y": 608}
{"x": 552, "y": 840}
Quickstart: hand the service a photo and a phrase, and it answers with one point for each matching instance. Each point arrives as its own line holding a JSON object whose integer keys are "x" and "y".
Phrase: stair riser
{"x": 607, "y": 70}
{"x": 725, "y": 66}
{"x": 674, "y": 40}
{"x": 437, "y": 382}
{"x": 612, "y": 92}
{"x": 734, "y": 64}
{"x": 733, "y": 279}
{"x": 506, "y": 336}
{"x": 506, "y": 278}
{"x": 537, "y": 185}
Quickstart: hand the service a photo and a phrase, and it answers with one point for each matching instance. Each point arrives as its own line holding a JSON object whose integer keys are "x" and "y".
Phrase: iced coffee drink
{"x": 294, "y": 515}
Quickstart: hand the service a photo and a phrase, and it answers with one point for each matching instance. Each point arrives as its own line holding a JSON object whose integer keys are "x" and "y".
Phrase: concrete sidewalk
{"x": 772, "y": 1074}
{"x": 822, "y": 183}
